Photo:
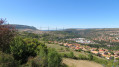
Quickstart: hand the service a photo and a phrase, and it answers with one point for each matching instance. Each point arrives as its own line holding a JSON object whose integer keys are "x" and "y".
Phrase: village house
{"x": 94, "y": 52}
{"x": 77, "y": 48}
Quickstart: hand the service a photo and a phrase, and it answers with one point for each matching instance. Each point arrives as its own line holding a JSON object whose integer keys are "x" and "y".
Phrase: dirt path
{"x": 80, "y": 63}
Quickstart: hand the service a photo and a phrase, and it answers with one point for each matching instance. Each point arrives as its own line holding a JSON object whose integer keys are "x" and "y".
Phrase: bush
{"x": 67, "y": 49}
{"x": 39, "y": 61}
{"x": 19, "y": 50}
{"x": 71, "y": 55}
{"x": 83, "y": 57}
{"x": 7, "y": 33}
{"x": 64, "y": 55}
{"x": 90, "y": 57}
{"x": 54, "y": 59}
{"x": 79, "y": 50}
{"x": 34, "y": 62}
{"x": 7, "y": 61}
{"x": 23, "y": 48}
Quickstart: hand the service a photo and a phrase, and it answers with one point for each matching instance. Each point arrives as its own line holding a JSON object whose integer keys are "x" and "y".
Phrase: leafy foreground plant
{"x": 50, "y": 59}
{"x": 7, "y": 34}
{"x": 32, "y": 53}
{"x": 24, "y": 48}
{"x": 7, "y": 61}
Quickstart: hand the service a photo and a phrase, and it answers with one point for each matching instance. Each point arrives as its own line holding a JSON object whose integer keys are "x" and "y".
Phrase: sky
{"x": 62, "y": 13}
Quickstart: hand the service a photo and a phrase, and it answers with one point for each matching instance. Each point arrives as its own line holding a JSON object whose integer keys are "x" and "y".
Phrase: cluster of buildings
{"x": 108, "y": 37}
{"x": 101, "y": 52}
{"x": 105, "y": 53}
{"x": 82, "y": 40}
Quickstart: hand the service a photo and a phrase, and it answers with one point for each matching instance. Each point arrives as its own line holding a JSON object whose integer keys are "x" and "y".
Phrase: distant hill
{"x": 24, "y": 27}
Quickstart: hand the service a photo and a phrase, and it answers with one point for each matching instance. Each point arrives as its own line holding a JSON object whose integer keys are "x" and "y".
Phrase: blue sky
{"x": 62, "y": 13}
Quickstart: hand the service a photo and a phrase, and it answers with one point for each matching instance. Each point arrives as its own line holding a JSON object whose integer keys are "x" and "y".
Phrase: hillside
{"x": 26, "y": 28}
{"x": 23, "y": 27}
{"x": 104, "y": 37}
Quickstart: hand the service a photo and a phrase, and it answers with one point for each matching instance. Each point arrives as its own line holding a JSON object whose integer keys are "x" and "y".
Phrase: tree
{"x": 54, "y": 59}
{"x": 112, "y": 53}
{"x": 24, "y": 48}
{"x": 7, "y": 33}
{"x": 19, "y": 50}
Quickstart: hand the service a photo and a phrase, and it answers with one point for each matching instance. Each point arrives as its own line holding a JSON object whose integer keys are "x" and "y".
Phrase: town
{"x": 101, "y": 52}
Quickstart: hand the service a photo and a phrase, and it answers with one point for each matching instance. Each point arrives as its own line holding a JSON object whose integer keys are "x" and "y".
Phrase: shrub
{"x": 7, "y": 33}
{"x": 39, "y": 61}
{"x": 90, "y": 57}
{"x": 23, "y": 48}
{"x": 71, "y": 55}
{"x": 64, "y": 55}
{"x": 19, "y": 50}
{"x": 7, "y": 61}
{"x": 79, "y": 50}
{"x": 67, "y": 49}
{"x": 54, "y": 59}
{"x": 83, "y": 57}
{"x": 32, "y": 63}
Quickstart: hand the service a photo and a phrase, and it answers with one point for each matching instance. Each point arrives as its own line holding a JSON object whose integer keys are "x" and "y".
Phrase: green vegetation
{"x": 7, "y": 33}
{"x": 54, "y": 59}
{"x": 23, "y": 51}
{"x": 82, "y": 56}
{"x": 7, "y": 60}
{"x": 23, "y": 48}
{"x": 68, "y": 55}
{"x": 33, "y": 50}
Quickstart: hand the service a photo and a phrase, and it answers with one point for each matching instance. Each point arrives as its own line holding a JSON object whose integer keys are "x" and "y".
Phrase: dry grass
{"x": 58, "y": 48}
{"x": 80, "y": 63}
